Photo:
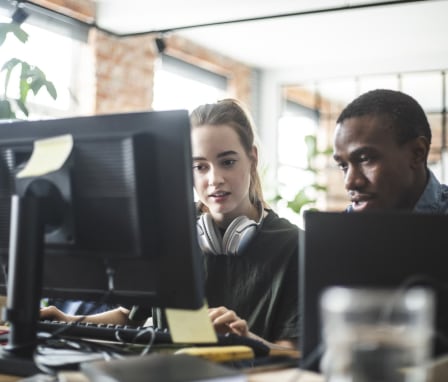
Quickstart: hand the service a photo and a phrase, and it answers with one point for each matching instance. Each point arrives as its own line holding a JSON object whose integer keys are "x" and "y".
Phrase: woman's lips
{"x": 219, "y": 196}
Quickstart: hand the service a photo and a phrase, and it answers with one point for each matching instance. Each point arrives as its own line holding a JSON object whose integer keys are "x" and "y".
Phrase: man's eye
{"x": 364, "y": 158}
{"x": 342, "y": 166}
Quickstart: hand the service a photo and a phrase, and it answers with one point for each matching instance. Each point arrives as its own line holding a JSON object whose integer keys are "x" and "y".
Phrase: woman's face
{"x": 221, "y": 169}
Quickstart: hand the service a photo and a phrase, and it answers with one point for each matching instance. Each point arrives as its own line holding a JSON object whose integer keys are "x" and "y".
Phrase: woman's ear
{"x": 420, "y": 150}
{"x": 254, "y": 155}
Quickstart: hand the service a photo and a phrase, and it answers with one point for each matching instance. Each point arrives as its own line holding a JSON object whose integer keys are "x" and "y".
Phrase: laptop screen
{"x": 374, "y": 249}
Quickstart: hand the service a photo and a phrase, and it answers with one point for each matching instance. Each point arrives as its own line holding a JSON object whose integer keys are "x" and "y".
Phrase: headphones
{"x": 235, "y": 239}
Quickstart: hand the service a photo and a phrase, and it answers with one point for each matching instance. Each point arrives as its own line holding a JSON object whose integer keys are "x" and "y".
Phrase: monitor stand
{"x": 24, "y": 284}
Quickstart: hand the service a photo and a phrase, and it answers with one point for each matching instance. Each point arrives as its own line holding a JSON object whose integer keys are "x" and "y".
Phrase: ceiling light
{"x": 19, "y": 15}
{"x": 161, "y": 44}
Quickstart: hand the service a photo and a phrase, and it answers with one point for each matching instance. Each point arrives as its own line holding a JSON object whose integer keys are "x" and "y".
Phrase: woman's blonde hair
{"x": 232, "y": 113}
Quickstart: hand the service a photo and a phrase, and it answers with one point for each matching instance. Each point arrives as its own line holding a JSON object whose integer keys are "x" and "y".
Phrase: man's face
{"x": 378, "y": 172}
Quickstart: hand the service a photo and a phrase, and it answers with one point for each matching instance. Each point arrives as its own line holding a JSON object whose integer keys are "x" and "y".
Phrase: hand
{"x": 52, "y": 313}
{"x": 226, "y": 321}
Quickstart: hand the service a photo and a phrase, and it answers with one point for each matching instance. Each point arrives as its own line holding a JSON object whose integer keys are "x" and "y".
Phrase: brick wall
{"x": 124, "y": 72}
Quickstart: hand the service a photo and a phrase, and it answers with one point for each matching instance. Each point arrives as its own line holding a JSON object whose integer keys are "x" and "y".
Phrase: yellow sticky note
{"x": 191, "y": 326}
{"x": 48, "y": 155}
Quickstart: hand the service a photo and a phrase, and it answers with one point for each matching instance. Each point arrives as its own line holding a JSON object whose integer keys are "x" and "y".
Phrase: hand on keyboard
{"x": 226, "y": 321}
{"x": 54, "y": 314}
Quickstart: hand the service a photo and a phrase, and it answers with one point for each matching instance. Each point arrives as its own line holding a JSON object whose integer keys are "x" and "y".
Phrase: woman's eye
{"x": 198, "y": 167}
{"x": 229, "y": 162}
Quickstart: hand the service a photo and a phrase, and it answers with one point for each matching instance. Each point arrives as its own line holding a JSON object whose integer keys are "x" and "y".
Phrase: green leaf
{"x": 10, "y": 64}
{"x": 24, "y": 89}
{"x": 35, "y": 72}
{"x": 36, "y": 84}
{"x": 15, "y": 29}
{"x": 311, "y": 144}
{"x": 19, "y": 32}
{"x": 5, "y": 110}
{"x": 300, "y": 200}
{"x": 51, "y": 89}
{"x": 26, "y": 68}
{"x": 22, "y": 107}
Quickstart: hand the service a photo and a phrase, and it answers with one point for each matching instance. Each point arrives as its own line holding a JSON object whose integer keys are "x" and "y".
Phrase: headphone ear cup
{"x": 209, "y": 236}
{"x": 238, "y": 235}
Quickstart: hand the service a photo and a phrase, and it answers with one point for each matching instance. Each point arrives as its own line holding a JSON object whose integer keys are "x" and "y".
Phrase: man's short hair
{"x": 404, "y": 112}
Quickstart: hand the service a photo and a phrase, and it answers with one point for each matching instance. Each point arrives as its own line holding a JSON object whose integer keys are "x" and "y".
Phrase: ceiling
{"x": 324, "y": 38}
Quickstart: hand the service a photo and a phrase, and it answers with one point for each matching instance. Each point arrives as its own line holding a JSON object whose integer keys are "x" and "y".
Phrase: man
{"x": 381, "y": 144}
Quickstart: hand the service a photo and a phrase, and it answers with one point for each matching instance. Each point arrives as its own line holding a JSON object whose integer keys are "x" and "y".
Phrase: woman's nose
{"x": 215, "y": 177}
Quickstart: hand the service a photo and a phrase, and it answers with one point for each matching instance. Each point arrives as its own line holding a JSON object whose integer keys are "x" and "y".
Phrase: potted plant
{"x": 31, "y": 77}
{"x": 306, "y": 196}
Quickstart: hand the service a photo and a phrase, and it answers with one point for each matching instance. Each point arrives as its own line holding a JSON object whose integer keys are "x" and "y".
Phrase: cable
{"x": 70, "y": 353}
{"x": 313, "y": 357}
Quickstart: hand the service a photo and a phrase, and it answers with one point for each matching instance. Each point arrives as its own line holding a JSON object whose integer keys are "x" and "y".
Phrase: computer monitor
{"x": 115, "y": 224}
{"x": 373, "y": 250}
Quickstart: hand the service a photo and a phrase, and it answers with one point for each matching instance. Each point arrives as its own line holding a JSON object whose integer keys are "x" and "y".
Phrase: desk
{"x": 9, "y": 378}
{"x": 286, "y": 375}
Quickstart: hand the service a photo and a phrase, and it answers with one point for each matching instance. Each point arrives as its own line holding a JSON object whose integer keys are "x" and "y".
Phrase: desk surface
{"x": 290, "y": 375}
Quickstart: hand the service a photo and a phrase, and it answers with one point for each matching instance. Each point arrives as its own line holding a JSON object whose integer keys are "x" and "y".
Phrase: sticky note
{"x": 48, "y": 155}
{"x": 191, "y": 326}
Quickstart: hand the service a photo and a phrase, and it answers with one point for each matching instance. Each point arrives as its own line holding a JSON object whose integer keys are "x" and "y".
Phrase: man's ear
{"x": 420, "y": 150}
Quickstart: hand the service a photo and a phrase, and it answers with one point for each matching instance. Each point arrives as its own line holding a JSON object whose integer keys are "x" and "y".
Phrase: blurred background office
{"x": 294, "y": 63}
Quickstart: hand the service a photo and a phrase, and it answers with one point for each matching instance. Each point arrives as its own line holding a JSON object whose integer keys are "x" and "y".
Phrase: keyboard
{"x": 139, "y": 335}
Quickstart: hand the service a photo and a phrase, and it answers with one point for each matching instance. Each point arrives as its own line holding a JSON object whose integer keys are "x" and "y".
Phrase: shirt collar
{"x": 431, "y": 199}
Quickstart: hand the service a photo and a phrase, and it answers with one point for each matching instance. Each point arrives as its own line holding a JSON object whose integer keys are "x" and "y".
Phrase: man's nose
{"x": 354, "y": 179}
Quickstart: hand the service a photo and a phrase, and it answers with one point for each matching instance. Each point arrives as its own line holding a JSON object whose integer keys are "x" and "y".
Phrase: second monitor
{"x": 373, "y": 250}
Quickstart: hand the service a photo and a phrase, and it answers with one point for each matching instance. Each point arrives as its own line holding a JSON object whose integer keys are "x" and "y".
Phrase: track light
{"x": 161, "y": 44}
{"x": 19, "y": 15}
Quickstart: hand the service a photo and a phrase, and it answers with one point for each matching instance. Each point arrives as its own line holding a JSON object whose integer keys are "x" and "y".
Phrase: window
{"x": 293, "y": 172}
{"x": 180, "y": 85}
{"x": 58, "y": 50}
{"x": 330, "y": 97}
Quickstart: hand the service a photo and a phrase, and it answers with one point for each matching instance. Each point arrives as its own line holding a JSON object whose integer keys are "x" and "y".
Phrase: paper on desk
{"x": 191, "y": 326}
{"x": 48, "y": 155}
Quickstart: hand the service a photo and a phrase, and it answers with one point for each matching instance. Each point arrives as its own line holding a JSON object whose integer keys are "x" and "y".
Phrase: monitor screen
{"x": 371, "y": 249}
{"x": 125, "y": 230}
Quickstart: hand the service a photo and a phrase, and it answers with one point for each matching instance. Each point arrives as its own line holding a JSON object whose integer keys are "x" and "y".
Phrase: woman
{"x": 255, "y": 291}
{"x": 250, "y": 254}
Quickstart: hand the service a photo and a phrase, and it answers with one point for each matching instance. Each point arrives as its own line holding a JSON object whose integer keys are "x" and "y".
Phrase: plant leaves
{"x": 24, "y": 89}
{"x": 51, "y": 89}
{"x": 5, "y": 110}
{"x": 15, "y": 29}
{"x": 10, "y": 64}
{"x": 36, "y": 84}
{"x": 300, "y": 200}
{"x": 19, "y": 32}
{"x": 22, "y": 107}
{"x": 31, "y": 77}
